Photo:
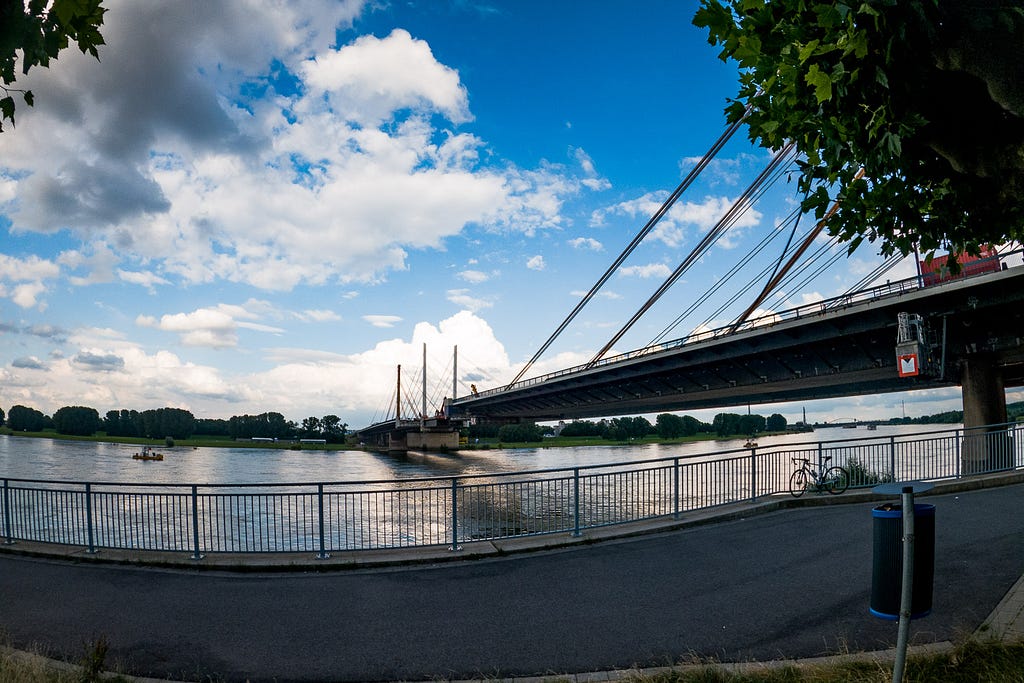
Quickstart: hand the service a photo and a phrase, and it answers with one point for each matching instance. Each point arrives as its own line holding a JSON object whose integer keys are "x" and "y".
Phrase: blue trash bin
{"x": 887, "y": 560}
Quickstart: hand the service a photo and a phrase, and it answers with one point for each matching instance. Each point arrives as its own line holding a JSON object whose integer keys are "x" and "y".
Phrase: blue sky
{"x": 268, "y": 207}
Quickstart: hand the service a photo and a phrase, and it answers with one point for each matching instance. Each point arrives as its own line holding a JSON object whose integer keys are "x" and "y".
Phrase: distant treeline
{"x": 1013, "y": 412}
{"x": 666, "y": 426}
{"x": 175, "y": 423}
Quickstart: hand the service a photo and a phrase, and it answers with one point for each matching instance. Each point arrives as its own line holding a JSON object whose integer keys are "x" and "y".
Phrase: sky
{"x": 267, "y": 206}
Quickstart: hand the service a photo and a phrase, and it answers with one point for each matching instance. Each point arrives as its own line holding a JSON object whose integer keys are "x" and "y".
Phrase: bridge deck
{"x": 838, "y": 347}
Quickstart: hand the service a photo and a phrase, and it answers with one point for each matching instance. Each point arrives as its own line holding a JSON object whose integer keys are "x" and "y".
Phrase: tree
{"x": 24, "y": 419}
{"x": 77, "y": 420}
{"x": 311, "y": 427}
{"x": 523, "y": 432}
{"x": 39, "y": 30}
{"x": 163, "y": 422}
{"x": 669, "y": 426}
{"x": 726, "y": 424}
{"x": 334, "y": 429}
{"x": 776, "y": 423}
{"x": 926, "y": 96}
{"x": 1, "y": 417}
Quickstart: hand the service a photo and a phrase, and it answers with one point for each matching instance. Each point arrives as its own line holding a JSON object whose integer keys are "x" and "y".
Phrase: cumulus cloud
{"x": 159, "y": 159}
{"x": 536, "y": 263}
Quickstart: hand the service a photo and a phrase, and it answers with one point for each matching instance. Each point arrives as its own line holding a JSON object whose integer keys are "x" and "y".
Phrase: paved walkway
{"x": 751, "y": 583}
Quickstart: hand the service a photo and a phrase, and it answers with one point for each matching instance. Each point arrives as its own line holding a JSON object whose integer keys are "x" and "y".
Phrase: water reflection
{"x": 31, "y": 458}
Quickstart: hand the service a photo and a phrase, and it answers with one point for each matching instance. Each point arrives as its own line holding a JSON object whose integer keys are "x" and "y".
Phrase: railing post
{"x": 323, "y": 554}
{"x": 455, "y": 547}
{"x": 88, "y": 518}
{"x": 7, "y": 514}
{"x": 576, "y": 503}
{"x": 957, "y": 451}
{"x": 753, "y": 475}
{"x": 892, "y": 457}
{"x": 196, "y": 555}
{"x": 675, "y": 488}
{"x": 820, "y": 457}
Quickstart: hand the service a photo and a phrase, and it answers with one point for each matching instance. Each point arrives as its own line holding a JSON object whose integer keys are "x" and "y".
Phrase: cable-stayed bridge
{"x": 844, "y": 346}
{"x": 924, "y": 332}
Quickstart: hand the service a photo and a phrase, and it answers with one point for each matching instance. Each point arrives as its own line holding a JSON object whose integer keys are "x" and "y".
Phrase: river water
{"x": 58, "y": 460}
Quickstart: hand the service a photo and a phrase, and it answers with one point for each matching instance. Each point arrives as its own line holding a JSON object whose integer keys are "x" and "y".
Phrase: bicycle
{"x": 834, "y": 480}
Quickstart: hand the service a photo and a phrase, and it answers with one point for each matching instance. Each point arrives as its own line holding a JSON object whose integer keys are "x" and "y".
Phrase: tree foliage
{"x": 77, "y": 420}
{"x": 25, "y": 419}
{"x": 524, "y": 432}
{"x": 38, "y": 30}
{"x": 265, "y": 426}
{"x": 926, "y": 96}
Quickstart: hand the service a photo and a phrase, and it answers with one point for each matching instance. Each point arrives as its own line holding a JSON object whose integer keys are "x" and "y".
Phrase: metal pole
{"x": 675, "y": 487}
{"x": 956, "y": 436}
{"x": 907, "y": 588}
{"x": 576, "y": 502}
{"x": 455, "y": 517}
{"x": 88, "y": 518}
{"x": 7, "y": 514}
{"x": 196, "y": 555}
{"x": 892, "y": 457}
{"x": 455, "y": 373}
{"x": 323, "y": 554}
{"x": 753, "y": 474}
{"x": 398, "y": 400}
{"x": 423, "y": 412}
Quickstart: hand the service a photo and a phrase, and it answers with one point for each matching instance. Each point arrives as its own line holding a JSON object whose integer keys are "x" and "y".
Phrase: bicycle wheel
{"x": 798, "y": 483}
{"x": 837, "y": 480}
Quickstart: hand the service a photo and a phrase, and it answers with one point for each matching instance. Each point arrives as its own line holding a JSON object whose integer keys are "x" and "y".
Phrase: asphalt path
{"x": 793, "y": 583}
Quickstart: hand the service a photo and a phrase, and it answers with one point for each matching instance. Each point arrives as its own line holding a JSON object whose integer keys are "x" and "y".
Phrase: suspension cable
{"x": 768, "y": 239}
{"x": 741, "y": 204}
{"x": 658, "y": 215}
{"x": 773, "y": 283}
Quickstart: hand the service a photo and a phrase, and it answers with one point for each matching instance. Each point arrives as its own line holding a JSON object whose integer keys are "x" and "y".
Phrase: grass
{"x": 971, "y": 662}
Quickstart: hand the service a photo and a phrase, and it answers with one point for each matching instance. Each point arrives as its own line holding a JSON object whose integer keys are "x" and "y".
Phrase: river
{"x": 54, "y": 459}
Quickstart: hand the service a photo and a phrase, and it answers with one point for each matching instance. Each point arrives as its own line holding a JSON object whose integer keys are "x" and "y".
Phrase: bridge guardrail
{"x": 378, "y": 514}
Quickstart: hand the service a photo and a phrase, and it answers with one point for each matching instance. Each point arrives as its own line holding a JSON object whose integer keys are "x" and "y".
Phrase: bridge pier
{"x": 984, "y": 401}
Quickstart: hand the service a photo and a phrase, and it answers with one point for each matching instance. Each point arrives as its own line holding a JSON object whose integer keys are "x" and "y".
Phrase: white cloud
{"x": 318, "y": 315}
{"x": 678, "y": 225}
{"x": 170, "y": 171}
{"x": 382, "y": 320}
{"x": 536, "y": 262}
{"x": 586, "y": 243}
{"x": 213, "y": 326}
{"x": 474, "y": 276}
{"x": 646, "y": 271}
{"x": 463, "y": 299}
{"x": 372, "y": 78}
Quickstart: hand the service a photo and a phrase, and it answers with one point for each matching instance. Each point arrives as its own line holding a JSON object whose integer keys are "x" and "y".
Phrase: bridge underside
{"x": 434, "y": 434}
{"x": 839, "y": 351}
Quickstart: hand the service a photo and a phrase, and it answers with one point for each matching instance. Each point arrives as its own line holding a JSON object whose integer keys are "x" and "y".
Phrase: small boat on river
{"x": 148, "y": 454}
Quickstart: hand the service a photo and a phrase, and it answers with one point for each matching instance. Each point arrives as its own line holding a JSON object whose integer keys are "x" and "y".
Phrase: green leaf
{"x": 821, "y": 82}
{"x": 807, "y": 50}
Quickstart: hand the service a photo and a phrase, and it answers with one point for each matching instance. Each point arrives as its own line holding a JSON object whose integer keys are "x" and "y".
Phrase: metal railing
{"x": 339, "y": 516}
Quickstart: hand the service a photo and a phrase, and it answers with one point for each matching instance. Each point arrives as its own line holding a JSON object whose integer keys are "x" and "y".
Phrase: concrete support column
{"x": 984, "y": 399}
